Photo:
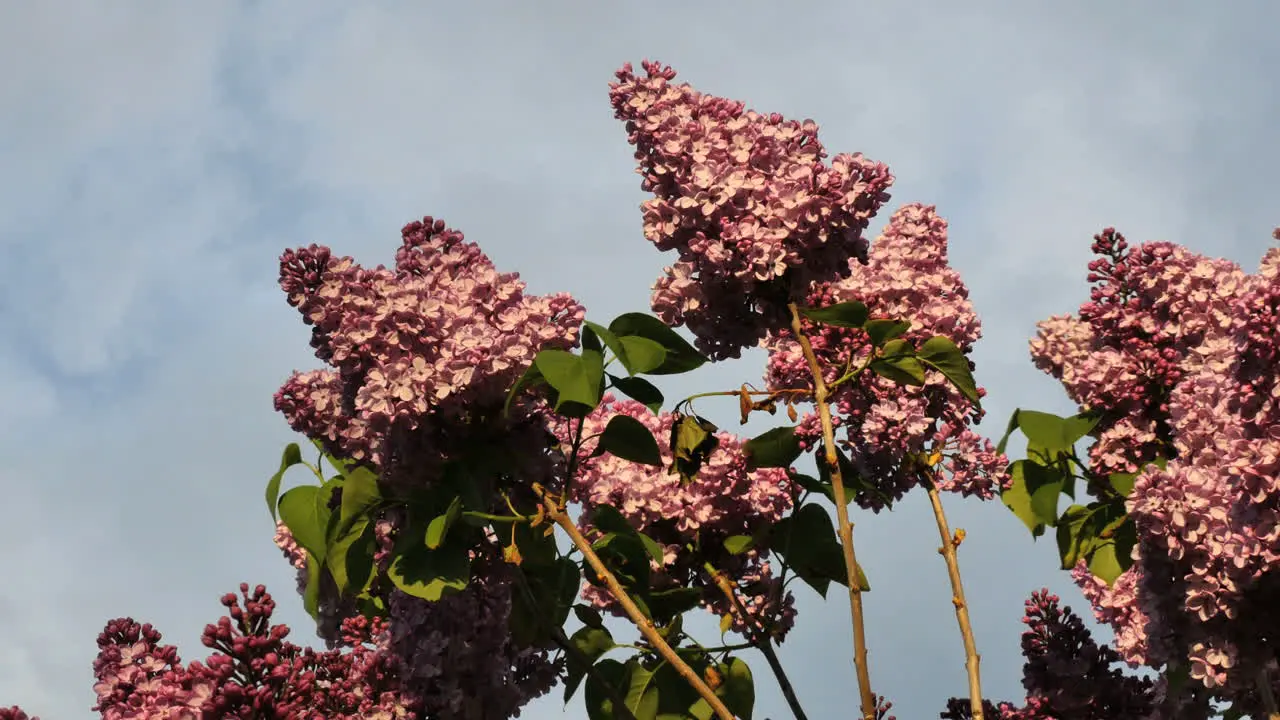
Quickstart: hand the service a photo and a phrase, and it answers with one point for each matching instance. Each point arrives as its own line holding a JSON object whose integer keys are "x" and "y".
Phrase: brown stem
{"x": 845, "y": 528}
{"x": 948, "y": 552}
{"x": 760, "y": 641}
{"x": 1268, "y": 696}
{"x": 556, "y": 513}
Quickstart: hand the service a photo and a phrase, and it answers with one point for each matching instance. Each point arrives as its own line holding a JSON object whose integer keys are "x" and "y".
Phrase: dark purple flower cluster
{"x": 253, "y": 673}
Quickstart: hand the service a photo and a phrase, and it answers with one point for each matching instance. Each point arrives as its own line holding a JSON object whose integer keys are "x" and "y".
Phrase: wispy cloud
{"x": 154, "y": 160}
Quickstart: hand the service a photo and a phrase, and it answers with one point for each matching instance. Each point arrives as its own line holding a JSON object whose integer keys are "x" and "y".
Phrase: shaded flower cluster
{"x": 746, "y": 200}
{"x": 253, "y": 673}
{"x": 457, "y": 654}
{"x": 723, "y": 500}
{"x": 907, "y": 277}
{"x": 423, "y": 354}
{"x": 1067, "y": 675}
{"x": 1178, "y": 353}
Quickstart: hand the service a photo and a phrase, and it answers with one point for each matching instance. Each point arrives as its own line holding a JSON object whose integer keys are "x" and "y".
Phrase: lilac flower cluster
{"x": 723, "y": 500}
{"x": 422, "y": 355}
{"x": 1179, "y": 353}
{"x": 253, "y": 673}
{"x": 747, "y": 201}
{"x": 1067, "y": 675}
{"x": 457, "y": 656}
{"x": 906, "y": 278}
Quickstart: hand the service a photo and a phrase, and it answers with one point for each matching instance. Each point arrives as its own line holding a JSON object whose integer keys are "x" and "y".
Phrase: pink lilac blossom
{"x": 253, "y": 673}
{"x": 746, "y": 200}
{"x": 423, "y": 354}
{"x": 1185, "y": 347}
{"x": 724, "y": 499}
{"x": 907, "y": 277}
{"x": 1154, "y": 314}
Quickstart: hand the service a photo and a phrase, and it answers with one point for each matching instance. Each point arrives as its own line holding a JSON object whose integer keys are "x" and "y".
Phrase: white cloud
{"x": 156, "y": 160}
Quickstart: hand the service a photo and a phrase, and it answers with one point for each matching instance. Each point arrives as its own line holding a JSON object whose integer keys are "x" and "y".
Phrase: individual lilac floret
{"x": 746, "y": 200}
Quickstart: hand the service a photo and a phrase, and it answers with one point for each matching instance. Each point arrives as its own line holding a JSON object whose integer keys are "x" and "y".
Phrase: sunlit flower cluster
{"x": 882, "y": 422}
{"x": 746, "y": 200}
{"x": 1178, "y": 353}
{"x": 691, "y": 520}
{"x": 423, "y": 354}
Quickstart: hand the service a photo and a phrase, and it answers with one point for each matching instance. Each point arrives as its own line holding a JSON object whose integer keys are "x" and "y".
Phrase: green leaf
{"x": 589, "y": 616}
{"x": 1008, "y": 431}
{"x": 652, "y": 547}
{"x": 1123, "y": 483}
{"x": 571, "y": 376}
{"x": 851, "y": 314}
{"x": 641, "y": 355}
{"x": 626, "y": 557}
{"x": 609, "y": 519}
{"x": 592, "y": 642}
{"x": 642, "y": 694}
{"x": 291, "y": 456}
{"x": 776, "y": 448}
{"x": 532, "y": 377}
{"x": 426, "y": 573}
{"x": 1073, "y": 545}
{"x": 902, "y": 369}
{"x": 882, "y": 331}
{"x": 1033, "y": 494}
{"x": 640, "y": 390}
{"x": 629, "y": 439}
{"x": 1104, "y": 562}
{"x": 350, "y": 558}
{"x": 941, "y": 354}
{"x": 300, "y": 512}
{"x": 590, "y": 340}
{"x": 598, "y": 699}
{"x": 806, "y": 540}
{"x": 681, "y": 356}
{"x": 360, "y": 495}
{"x": 739, "y": 689}
{"x": 1052, "y": 433}
{"x": 311, "y": 594}
{"x": 439, "y": 526}
{"x": 665, "y": 605}
{"x": 738, "y": 544}
{"x": 692, "y": 441}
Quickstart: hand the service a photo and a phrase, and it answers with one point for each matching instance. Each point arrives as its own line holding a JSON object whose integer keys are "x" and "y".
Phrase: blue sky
{"x": 155, "y": 158}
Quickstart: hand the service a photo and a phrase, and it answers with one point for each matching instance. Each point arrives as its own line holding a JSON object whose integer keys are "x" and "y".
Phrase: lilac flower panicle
{"x": 883, "y": 423}
{"x": 745, "y": 199}
{"x": 1179, "y": 354}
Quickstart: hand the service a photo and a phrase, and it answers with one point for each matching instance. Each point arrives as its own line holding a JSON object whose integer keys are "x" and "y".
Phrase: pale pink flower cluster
{"x": 748, "y": 203}
{"x": 421, "y": 352}
{"x": 723, "y": 500}
{"x": 907, "y": 277}
{"x": 1185, "y": 347}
